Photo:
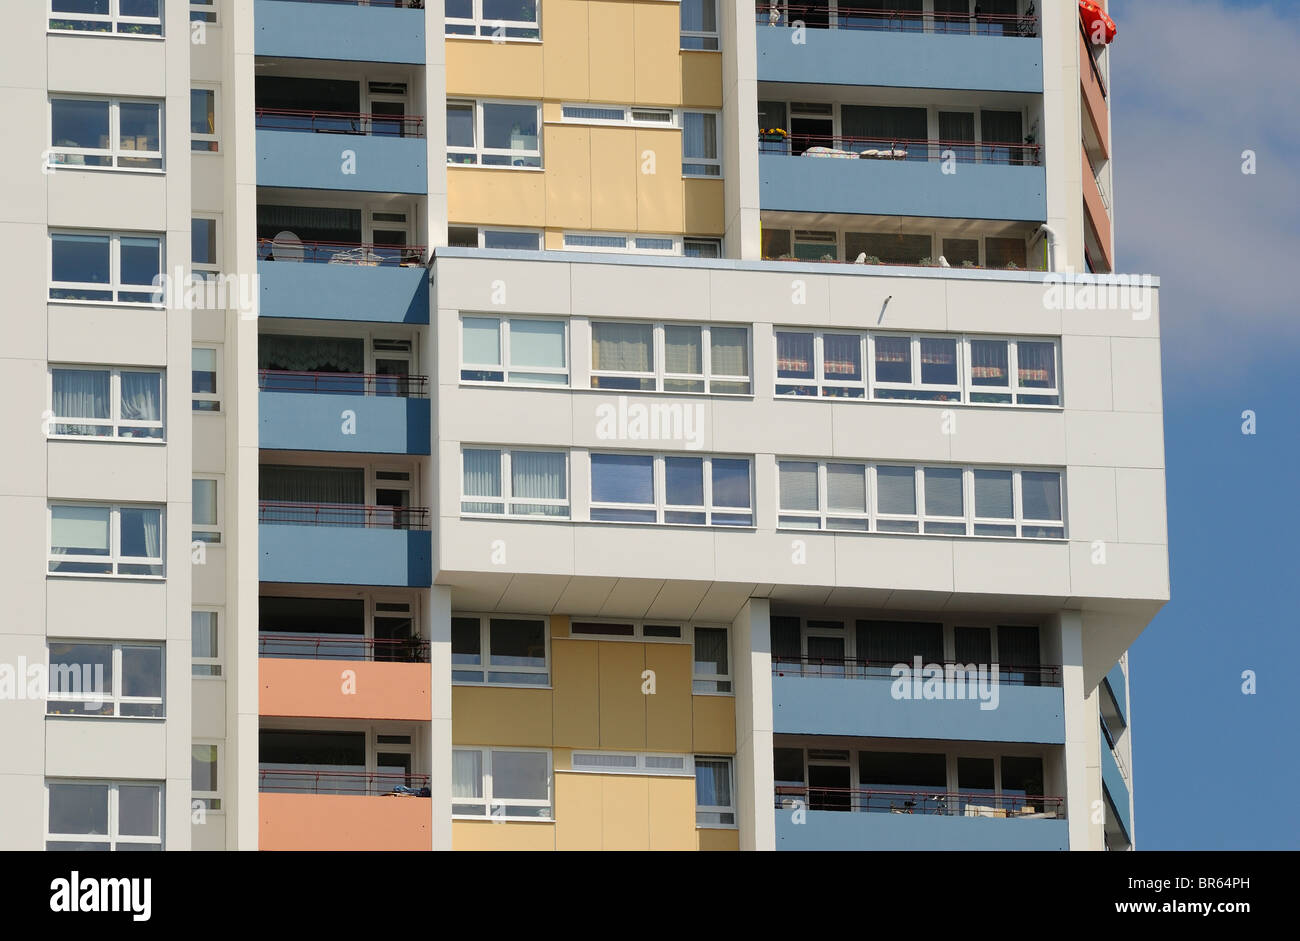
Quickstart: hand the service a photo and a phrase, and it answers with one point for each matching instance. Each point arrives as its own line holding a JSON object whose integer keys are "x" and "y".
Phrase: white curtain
{"x": 700, "y": 136}
{"x": 482, "y": 479}
{"x": 683, "y": 350}
{"x": 622, "y": 347}
{"x": 81, "y": 393}
{"x": 729, "y": 351}
{"x": 537, "y": 475}
{"x": 141, "y": 535}
{"x": 141, "y": 396}
{"x": 466, "y": 773}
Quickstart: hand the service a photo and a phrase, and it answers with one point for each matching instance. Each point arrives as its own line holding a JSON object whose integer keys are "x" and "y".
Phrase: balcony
{"x": 857, "y": 698}
{"x": 853, "y": 46}
{"x": 357, "y": 281}
{"x": 332, "y": 821}
{"x": 336, "y": 150}
{"x": 310, "y": 688}
{"x": 861, "y": 819}
{"x": 345, "y": 30}
{"x": 344, "y": 412}
{"x": 344, "y": 544}
{"x": 1116, "y": 788}
{"x": 899, "y": 177}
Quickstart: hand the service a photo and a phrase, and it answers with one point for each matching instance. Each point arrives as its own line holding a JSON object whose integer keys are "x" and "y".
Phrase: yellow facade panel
{"x": 486, "y": 835}
{"x": 715, "y": 725}
{"x": 575, "y": 672}
{"x": 718, "y": 840}
{"x": 553, "y": 240}
{"x": 559, "y": 625}
{"x": 659, "y": 201}
{"x": 568, "y": 176}
{"x": 564, "y": 50}
{"x": 658, "y": 66}
{"x": 705, "y": 207}
{"x": 494, "y": 715}
{"x": 612, "y": 58}
{"x": 668, "y": 710}
{"x": 579, "y": 811}
{"x": 625, "y": 809}
{"x": 479, "y": 69}
{"x": 672, "y": 813}
{"x": 615, "y": 168}
{"x": 476, "y": 196}
{"x": 622, "y": 704}
{"x": 701, "y": 79}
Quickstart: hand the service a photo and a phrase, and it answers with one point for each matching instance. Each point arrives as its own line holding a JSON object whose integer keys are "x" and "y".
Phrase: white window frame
{"x": 703, "y": 161}
{"x": 485, "y": 651}
{"x": 640, "y": 763}
{"x": 701, "y": 240}
{"x": 213, "y": 664}
{"x": 629, "y": 243}
{"x": 1013, "y": 387}
{"x": 507, "y": 497}
{"x": 479, "y": 151}
{"x": 705, "y": 35}
{"x": 661, "y": 506}
{"x": 114, "y": 19}
{"x": 824, "y": 514}
{"x": 215, "y": 136}
{"x": 115, "y": 422}
{"x": 659, "y": 360}
{"x": 115, "y": 559}
{"x": 505, "y": 367}
{"x": 700, "y": 681}
{"x": 113, "y": 839}
{"x": 206, "y": 11}
{"x": 484, "y": 28}
{"x": 628, "y": 115}
{"x": 114, "y": 151}
{"x": 115, "y": 286}
{"x": 211, "y": 800}
{"x": 916, "y": 384}
{"x": 207, "y": 269}
{"x": 638, "y": 634}
{"x": 214, "y": 396}
{"x": 117, "y": 699}
{"x": 819, "y": 381}
{"x": 717, "y": 808}
{"x": 1023, "y": 522}
{"x": 217, "y": 528}
{"x": 489, "y": 800}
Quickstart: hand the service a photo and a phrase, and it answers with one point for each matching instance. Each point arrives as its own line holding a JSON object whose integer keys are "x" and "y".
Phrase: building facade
{"x": 614, "y": 424}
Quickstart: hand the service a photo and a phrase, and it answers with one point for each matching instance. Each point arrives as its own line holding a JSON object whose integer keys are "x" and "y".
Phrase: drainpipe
{"x": 1052, "y": 239}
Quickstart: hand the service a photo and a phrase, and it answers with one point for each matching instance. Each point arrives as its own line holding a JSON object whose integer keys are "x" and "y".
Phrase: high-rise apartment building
{"x": 610, "y": 424}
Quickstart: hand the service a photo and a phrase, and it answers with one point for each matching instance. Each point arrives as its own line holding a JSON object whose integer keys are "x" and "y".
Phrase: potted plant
{"x": 772, "y": 134}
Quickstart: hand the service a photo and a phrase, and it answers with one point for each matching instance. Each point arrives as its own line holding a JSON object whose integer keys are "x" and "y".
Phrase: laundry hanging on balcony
{"x": 1101, "y": 29}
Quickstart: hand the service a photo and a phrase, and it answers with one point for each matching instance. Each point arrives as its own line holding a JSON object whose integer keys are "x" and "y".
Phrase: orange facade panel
{"x": 344, "y": 689}
{"x": 1095, "y": 214}
{"x": 1096, "y": 108}
{"x": 344, "y": 822}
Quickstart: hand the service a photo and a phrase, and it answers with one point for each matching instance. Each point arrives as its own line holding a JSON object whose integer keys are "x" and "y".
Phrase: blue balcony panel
{"x": 833, "y": 830}
{"x": 902, "y": 188}
{"x": 1118, "y": 690}
{"x": 1116, "y": 788}
{"x": 308, "y": 291}
{"x": 294, "y": 30}
{"x": 313, "y": 421}
{"x": 812, "y": 705}
{"x": 344, "y": 555}
{"x": 353, "y": 162}
{"x": 901, "y": 60}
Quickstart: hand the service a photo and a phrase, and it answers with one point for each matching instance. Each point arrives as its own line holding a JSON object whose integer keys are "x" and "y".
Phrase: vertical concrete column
{"x": 1061, "y": 131}
{"x": 434, "y": 95}
{"x": 1082, "y": 758}
{"x": 740, "y": 129}
{"x": 751, "y": 644}
{"x": 438, "y": 629}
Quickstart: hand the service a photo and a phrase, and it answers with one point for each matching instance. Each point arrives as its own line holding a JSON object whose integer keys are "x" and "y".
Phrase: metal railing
{"x": 900, "y": 148}
{"x": 274, "y": 780}
{"x": 857, "y": 669}
{"x": 276, "y": 646}
{"x": 343, "y": 383}
{"x": 343, "y": 514}
{"x": 366, "y": 254}
{"x": 932, "y": 801}
{"x": 401, "y": 4}
{"x": 899, "y": 21}
{"x": 340, "y": 122}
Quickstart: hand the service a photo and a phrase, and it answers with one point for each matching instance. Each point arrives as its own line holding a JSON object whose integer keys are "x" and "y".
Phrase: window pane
{"x": 993, "y": 494}
{"x": 81, "y": 668}
{"x": 798, "y": 485}
{"x": 482, "y": 473}
{"x": 203, "y": 118}
{"x": 517, "y": 643}
{"x": 81, "y": 393}
{"x": 141, "y": 532}
{"x": 510, "y": 127}
{"x": 203, "y": 374}
{"x": 1041, "y": 495}
{"x": 203, "y": 768}
{"x": 893, "y": 359}
{"x": 1037, "y": 365}
{"x": 519, "y": 776}
{"x": 528, "y": 241}
{"x": 842, "y": 357}
{"x": 622, "y": 478}
{"x": 794, "y": 355}
{"x": 79, "y": 530}
{"x": 517, "y": 10}
{"x": 82, "y": 258}
{"x": 896, "y": 490}
{"x": 711, "y": 651}
{"x": 460, "y": 125}
{"x": 943, "y": 495}
{"x": 79, "y": 808}
{"x": 730, "y": 482}
{"x": 712, "y": 783}
{"x": 141, "y": 396}
{"x": 137, "y": 810}
{"x": 988, "y": 363}
{"x": 82, "y": 124}
{"x": 699, "y": 16}
{"x": 138, "y": 126}
{"x": 466, "y": 773}
{"x": 683, "y": 350}
{"x": 622, "y": 347}
{"x": 729, "y": 351}
{"x": 142, "y": 671}
{"x": 939, "y": 362}
{"x": 846, "y": 488}
{"x": 204, "y": 496}
{"x": 699, "y": 136}
{"x": 203, "y": 634}
{"x": 538, "y": 475}
{"x": 465, "y": 641}
{"x": 537, "y": 343}
{"x": 684, "y": 481}
{"x": 141, "y": 260}
{"x": 203, "y": 241}
{"x": 481, "y": 340}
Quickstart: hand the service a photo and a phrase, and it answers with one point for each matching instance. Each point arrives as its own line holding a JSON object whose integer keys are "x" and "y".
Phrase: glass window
{"x": 944, "y": 506}
{"x": 501, "y": 783}
{"x": 517, "y": 350}
{"x": 1041, "y": 500}
{"x": 207, "y": 526}
{"x": 105, "y": 267}
{"x": 516, "y": 651}
{"x": 701, "y": 153}
{"x": 712, "y": 671}
{"x": 205, "y": 647}
{"x": 203, "y": 245}
{"x": 106, "y": 132}
{"x": 503, "y": 134}
{"x": 673, "y": 357}
{"x": 203, "y": 377}
{"x": 120, "y": 403}
{"x": 623, "y": 482}
{"x": 105, "y": 679}
{"x": 495, "y": 19}
{"x": 203, "y": 11}
{"x": 203, "y": 120}
{"x": 622, "y": 356}
{"x": 715, "y": 804}
{"x": 205, "y": 776}
{"x": 896, "y": 499}
{"x": 917, "y": 368}
{"x": 123, "y": 17}
{"x": 994, "y": 502}
{"x": 510, "y": 239}
{"x": 515, "y": 482}
{"x": 105, "y": 540}
{"x": 697, "y": 491}
{"x": 699, "y": 24}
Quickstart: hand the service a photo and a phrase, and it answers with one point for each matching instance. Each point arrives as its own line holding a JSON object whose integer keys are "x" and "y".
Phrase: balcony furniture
{"x": 356, "y": 256}
{"x": 828, "y": 152}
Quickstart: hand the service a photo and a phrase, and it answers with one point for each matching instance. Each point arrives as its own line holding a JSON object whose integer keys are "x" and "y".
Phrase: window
{"x": 205, "y": 775}
{"x": 917, "y": 368}
{"x": 206, "y": 507}
{"x": 203, "y": 120}
{"x": 105, "y": 679}
{"x": 635, "y": 244}
{"x": 203, "y": 377}
{"x": 468, "y": 236}
{"x": 123, "y": 17}
{"x": 205, "y": 643}
{"x": 712, "y": 673}
{"x": 90, "y": 539}
{"x": 700, "y": 24}
{"x": 701, "y": 152}
{"x": 494, "y": 133}
{"x": 671, "y": 489}
{"x": 205, "y": 261}
{"x": 502, "y": 783}
{"x": 617, "y": 114}
{"x": 609, "y": 762}
{"x": 493, "y": 19}
{"x": 671, "y": 357}
{"x": 1021, "y": 371}
{"x": 106, "y": 132}
{"x": 516, "y": 651}
{"x": 498, "y": 481}
{"x": 518, "y": 350}
{"x": 702, "y": 248}
{"x": 715, "y": 802}
{"x": 93, "y": 402}
{"x": 823, "y": 495}
{"x": 807, "y": 362}
{"x": 630, "y": 630}
{"x": 105, "y": 267}
{"x": 203, "y": 11}
{"x": 95, "y": 815}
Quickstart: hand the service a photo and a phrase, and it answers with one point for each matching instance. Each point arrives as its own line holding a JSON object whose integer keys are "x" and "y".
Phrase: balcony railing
{"x": 366, "y": 254}
{"x": 401, "y": 4}
{"x": 897, "y": 21}
{"x": 285, "y": 781}
{"x": 342, "y": 514}
{"x": 277, "y": 646}
{"x": 852, "y": 668}
{"x": 932, "y": 802}
{"x": 341, "y": 122}
{"x": 343, "y": 383}
{"x": 898, "y": 148}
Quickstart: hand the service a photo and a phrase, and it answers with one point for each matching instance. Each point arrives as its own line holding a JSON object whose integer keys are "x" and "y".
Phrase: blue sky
{"x": 1194, "y": 84}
